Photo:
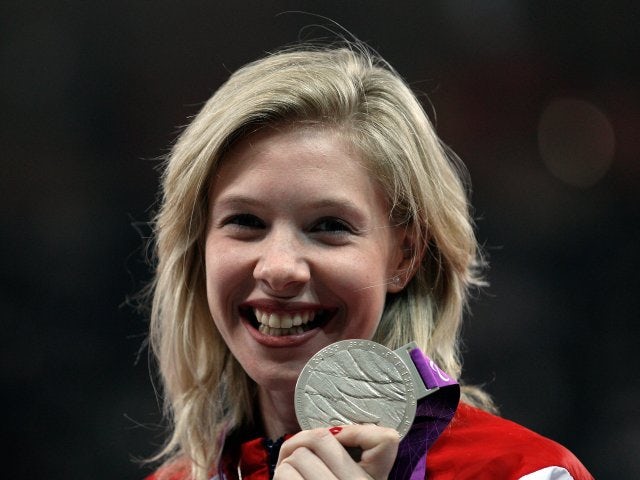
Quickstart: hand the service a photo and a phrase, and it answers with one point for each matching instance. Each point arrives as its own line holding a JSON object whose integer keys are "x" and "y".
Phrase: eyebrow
{"x": 238, "y": 200}
{"x": 335, "y": 203}
{"x": 324, "y": 203}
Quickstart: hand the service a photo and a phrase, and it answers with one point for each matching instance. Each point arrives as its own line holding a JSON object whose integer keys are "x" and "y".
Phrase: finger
{"x": 379, "y": 447}
{"x": 287, "y": 471}
{"x": 329, "y": 455}
{"x": 302, "y": 463}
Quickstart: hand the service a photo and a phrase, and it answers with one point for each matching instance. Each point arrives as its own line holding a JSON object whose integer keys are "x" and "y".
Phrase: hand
{"x": 320, "y": 454}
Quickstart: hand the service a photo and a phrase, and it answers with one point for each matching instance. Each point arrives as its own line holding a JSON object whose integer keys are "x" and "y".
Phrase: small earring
{"x": 396, "y": 280}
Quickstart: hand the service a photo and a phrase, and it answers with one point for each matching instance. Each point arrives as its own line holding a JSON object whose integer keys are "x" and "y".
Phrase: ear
{"x": 407, "y": 260}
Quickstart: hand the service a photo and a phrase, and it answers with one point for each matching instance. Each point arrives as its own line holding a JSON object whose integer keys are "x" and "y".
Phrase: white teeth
{"x": 280, "y": 332}
{"x": 274, "y": 320}
{"x": 278, "y": 324}
{"x": 283, "y": 320}
{"x": 286, "y": 321}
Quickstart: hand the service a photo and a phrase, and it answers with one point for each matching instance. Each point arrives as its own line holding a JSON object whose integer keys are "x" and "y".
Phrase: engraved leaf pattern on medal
{"x": 353, "y": 386}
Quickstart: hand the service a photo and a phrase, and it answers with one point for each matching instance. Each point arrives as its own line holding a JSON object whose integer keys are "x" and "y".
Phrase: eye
{"x": 332, "y": 225}
{"x": 244, "y": 220}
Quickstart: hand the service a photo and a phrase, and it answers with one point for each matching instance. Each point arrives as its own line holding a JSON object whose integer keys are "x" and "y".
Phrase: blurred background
{"x": 540, "y": 99}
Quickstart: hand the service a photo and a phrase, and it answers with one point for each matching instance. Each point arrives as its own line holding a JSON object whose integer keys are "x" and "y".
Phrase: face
{"x": 300, "y": 251}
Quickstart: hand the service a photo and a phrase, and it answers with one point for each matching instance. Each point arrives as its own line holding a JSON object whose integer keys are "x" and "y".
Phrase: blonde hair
{"x": 207, "y": 392}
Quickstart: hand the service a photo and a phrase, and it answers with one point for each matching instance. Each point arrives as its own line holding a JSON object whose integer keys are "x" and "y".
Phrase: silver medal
{"x": 357, "y": 382}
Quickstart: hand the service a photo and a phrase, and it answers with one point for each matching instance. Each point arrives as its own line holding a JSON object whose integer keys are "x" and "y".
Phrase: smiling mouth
{"x": 280, "y": 324}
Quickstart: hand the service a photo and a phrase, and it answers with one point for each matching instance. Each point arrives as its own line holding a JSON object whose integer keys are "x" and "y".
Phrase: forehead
{"x": 293, "y": 150}
{"x": 297, "y": 166}
{"x": 313, "y": 136}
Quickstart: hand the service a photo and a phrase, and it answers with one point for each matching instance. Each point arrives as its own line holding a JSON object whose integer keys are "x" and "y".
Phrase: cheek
{"x": 225, "y": 258}
{"x": 364, "y": 313}
{"x": 214, "y": 269}
{"x": 225, "y": 273}
{"x": 364, "y": 290}
{"x": 362, "y": 272}
{"x": 361, "y": 283}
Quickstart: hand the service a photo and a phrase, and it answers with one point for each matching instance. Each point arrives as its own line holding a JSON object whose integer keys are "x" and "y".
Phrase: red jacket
{"x": 476, "y": 446}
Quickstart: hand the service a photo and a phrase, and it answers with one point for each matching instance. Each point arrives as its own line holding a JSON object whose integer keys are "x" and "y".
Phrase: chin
{"x": 283, "y": 380}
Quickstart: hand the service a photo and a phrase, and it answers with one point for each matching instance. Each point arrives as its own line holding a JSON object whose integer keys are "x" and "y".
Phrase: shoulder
{"x": 175, "y": 471}
{"x": 479, "y": 445}
{"x": 161, "y": 475}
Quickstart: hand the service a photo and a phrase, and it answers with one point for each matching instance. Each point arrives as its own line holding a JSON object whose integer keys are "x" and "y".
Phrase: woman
{"x": 308, "y": 202}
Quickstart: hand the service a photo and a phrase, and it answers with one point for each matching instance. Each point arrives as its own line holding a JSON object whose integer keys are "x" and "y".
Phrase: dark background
{"x": 540, "y": 99}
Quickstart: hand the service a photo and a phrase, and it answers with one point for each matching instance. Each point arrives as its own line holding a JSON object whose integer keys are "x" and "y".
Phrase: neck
{"x": 278, "y": 413}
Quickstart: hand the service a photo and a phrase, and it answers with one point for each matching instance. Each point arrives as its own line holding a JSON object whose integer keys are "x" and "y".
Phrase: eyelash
{"x": 244, "y": 220}
{"x": 338, "y": 226}
{"x": 326, "y": 225}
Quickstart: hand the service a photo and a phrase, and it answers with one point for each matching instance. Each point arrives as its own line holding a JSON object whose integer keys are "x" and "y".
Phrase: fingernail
{"x": 335, "y": 430}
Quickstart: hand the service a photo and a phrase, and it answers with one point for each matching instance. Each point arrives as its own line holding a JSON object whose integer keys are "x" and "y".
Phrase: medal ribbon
{"x": 433, "y": 414}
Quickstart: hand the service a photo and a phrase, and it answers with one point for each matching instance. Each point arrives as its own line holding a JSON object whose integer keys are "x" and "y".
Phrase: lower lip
{"x": 282, "y": 341}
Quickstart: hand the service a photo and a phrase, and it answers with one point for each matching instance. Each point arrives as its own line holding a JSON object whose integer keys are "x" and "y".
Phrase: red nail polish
{"x": 335, "y": 430}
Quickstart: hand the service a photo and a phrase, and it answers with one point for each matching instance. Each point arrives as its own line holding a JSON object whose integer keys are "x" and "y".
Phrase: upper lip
{"x": 275, "y": 306}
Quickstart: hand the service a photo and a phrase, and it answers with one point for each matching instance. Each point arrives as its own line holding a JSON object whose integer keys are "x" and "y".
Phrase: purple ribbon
{"x": 433, "y": 413}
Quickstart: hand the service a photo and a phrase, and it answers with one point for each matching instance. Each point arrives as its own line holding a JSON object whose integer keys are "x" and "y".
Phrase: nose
{"x": 282, "y": 269}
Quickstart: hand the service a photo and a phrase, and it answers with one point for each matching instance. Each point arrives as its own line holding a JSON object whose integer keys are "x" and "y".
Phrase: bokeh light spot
{"x": 576, "y": 141}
